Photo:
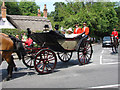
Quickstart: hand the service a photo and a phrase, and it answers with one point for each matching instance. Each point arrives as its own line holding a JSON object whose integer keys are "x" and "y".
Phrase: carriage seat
{"x": 71, "y": 35}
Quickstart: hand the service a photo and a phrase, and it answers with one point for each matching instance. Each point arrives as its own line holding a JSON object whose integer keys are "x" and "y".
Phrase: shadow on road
{"x": 113, "y": 53}
{"x": 68, "y": 64}
{"x": 19, "y": 73}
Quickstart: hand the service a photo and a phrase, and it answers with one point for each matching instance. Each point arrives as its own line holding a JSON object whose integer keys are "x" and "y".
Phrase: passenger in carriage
{"x": 57, "y": 28}
{"x": 29, "y": 42}
{"x": 69, "y": 33}
{"x": 85, "y": 29}
{"x": 77, "y": 30}
{"x": 62, "y": 31}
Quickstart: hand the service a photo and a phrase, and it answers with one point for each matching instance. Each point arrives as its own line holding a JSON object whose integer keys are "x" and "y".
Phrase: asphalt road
{"x": 101, "y": 72}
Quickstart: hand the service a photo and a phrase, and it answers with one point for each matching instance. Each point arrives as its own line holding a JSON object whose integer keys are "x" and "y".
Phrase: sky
{"x": 49, "y": 4}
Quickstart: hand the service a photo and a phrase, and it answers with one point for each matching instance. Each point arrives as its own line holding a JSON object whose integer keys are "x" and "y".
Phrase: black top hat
{"x": 28, "y": 32}
{"x": 46, "y": 26}
{"x": 56, "y": 27}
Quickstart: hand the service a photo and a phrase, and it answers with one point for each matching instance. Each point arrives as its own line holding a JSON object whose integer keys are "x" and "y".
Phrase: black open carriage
{"x": 44, "y": 58}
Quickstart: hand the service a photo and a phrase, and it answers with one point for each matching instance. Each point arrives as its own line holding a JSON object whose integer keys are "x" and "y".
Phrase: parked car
{"x": 106, "y": 42}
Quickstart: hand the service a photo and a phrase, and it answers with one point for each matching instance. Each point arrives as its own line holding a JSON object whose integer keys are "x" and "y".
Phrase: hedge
{"x": 13, "y": 32}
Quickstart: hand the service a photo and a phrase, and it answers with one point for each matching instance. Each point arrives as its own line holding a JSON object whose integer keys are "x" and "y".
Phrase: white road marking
{"x": 107, "y": 86}
{"x": 110, "y": 63}
{"x": 102, "y": 59}
{"x": 101, "y": 56}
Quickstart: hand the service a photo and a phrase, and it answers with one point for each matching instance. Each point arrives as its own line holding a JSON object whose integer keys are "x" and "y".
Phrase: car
{"x": 106, "y": 42}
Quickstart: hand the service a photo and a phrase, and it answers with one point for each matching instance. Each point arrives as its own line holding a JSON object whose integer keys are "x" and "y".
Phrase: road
{"x": 101, "y": 72}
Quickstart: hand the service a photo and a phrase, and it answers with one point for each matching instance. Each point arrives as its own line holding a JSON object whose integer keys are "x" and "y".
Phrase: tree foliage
{"x": 100, "y": 16}
{"x": 28, "y": 8}
{"x": 24, "y": 7}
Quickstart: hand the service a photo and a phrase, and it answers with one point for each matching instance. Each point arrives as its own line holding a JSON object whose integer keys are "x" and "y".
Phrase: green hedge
{"x": 13, "y": 32}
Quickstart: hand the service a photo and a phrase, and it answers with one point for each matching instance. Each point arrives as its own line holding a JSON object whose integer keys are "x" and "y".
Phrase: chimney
{"x": 45, "y": 11}
{"x": 3, "y": 10}
{"x": 39, "y": 14}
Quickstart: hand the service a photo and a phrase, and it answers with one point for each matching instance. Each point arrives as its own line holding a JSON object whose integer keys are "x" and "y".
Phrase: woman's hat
{"x": 84, "y": 23}
{"x": 70, "y": 29}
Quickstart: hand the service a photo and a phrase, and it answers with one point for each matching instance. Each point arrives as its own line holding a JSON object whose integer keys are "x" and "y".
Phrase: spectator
{"x": 29, "y": 42}
{"x": 24, "y": 37}
{"x": 17, "y": 36}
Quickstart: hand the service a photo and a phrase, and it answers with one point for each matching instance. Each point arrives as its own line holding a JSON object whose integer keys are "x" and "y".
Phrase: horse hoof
{"x": 7, "y": 79}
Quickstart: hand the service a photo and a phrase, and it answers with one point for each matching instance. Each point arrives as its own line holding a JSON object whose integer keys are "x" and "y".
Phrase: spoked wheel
{"x": 64, "y": 56}
{"x": 45, "y": 61}
{"x": 28, "y": 60}
{"x": 85, "y": 52}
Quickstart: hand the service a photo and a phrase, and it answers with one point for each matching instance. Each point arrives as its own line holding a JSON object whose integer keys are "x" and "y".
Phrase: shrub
{"x": 13, "y": 32}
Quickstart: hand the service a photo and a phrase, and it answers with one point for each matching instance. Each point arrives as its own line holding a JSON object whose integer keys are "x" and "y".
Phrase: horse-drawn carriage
{"x": 44, "y": 58}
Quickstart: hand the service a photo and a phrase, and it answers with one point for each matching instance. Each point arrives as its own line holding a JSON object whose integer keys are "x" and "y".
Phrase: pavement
{"x": 102, "y": 72}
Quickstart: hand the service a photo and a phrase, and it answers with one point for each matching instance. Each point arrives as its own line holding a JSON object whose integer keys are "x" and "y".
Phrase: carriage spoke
{"x": 43, "y": 68}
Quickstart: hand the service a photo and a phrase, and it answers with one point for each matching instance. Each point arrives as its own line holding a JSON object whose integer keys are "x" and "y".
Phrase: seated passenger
{"x": 62, "y": 31}
{"x": 29, "y": 42}
{"x": 70, "y": 34}
{"x": 85, "y": 28}
{"x": 77, "y": 30}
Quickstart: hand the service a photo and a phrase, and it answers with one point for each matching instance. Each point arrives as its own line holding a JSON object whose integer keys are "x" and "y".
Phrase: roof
{"x": 32, "y": 22}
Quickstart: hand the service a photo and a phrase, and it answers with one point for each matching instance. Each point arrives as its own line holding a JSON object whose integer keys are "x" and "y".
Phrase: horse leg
{"x": 15, "y": 68}
{"x": 11, "y": 64}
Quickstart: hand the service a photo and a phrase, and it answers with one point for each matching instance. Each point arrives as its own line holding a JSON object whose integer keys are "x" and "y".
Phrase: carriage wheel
{"x": 64, "y": 56}
{"x": 45, "y": 61}
{"x": 28, "y": 60}
{"x": 85, "y": 52}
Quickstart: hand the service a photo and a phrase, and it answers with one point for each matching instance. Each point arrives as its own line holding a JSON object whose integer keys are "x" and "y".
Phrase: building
{"x": 21, "y": 22}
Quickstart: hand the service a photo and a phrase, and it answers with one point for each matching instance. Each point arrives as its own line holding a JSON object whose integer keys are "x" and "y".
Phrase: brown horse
{"x": 7, "y": 47}
{"x": 115, "y": 44}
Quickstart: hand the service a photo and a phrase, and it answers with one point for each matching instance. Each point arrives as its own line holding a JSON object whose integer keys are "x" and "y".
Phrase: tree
{"x": 100, "y": 16}
{"x": 13, "y": 8}
{"x": 28, "y": 8}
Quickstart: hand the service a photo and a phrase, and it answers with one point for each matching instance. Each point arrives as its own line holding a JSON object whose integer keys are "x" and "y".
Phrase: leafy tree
{"x": 28, "y": 8}
{"x": 13, "y": 8}
{"x": 100, "y": 16}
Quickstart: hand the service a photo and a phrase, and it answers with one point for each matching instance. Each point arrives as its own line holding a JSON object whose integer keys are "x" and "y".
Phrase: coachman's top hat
{"x": 56, "y": 27}
{"x": 46, "y": 26}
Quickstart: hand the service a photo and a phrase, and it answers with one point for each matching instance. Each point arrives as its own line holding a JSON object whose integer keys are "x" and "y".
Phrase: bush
{"x": 13, "y": 32}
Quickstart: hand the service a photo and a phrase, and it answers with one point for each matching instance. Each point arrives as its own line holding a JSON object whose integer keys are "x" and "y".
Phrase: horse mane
{"x": 5, "y": 35}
